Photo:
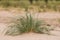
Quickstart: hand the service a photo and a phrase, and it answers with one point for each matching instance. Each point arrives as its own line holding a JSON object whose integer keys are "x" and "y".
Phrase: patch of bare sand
{"x": 30, "y": 36}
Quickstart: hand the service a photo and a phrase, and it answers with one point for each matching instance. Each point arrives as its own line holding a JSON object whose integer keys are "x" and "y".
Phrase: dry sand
{"x": 29, "y": 36}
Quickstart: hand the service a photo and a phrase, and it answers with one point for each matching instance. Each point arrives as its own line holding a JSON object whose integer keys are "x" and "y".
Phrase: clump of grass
{"x": 43, "y": 29}
{"x": 26, "y": 24}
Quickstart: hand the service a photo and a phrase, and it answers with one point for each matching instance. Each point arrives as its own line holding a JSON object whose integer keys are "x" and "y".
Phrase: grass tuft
{"x": 27, "y": 24}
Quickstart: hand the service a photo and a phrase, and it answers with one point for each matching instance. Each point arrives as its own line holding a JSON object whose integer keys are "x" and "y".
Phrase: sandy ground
{"x": 28, "y": 36}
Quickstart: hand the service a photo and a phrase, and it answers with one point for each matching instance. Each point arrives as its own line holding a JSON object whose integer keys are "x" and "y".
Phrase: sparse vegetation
{"x": 26, "y": 24}
{"x": 47, "y": 4}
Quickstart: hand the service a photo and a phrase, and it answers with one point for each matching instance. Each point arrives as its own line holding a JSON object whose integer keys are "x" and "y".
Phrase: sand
{"x": 28, "y": 36}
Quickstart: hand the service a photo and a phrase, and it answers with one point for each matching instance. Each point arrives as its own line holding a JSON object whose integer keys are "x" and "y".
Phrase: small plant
{"x": 13, "y": 30}
{"x": 26, "y": 24}
{"x": 43, "y": 29}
